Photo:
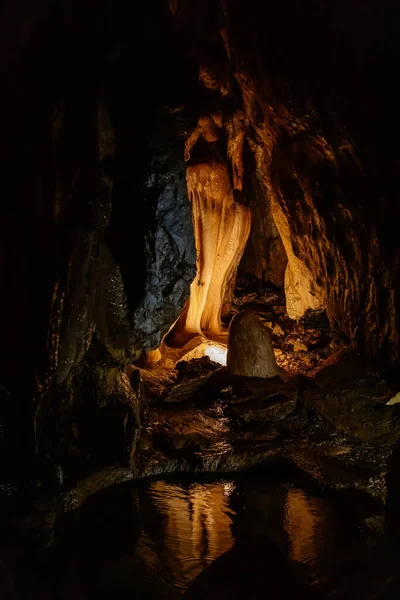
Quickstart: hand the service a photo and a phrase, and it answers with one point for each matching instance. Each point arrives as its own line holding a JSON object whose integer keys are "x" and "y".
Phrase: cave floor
{"x": 328, "y": 422}
{"x": 301, "y": 348}
{"x": 328, "y": 426}
{"x": 329, "y": 418}
{"x": 211, "y": 422}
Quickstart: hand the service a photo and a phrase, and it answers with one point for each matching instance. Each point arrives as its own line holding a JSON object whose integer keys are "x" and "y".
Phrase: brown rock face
{"x": 315, "y": 127}
{"x": 250, "y": 351}
{"x": 265, "y": 255}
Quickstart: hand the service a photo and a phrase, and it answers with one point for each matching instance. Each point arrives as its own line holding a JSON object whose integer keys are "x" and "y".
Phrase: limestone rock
{"x": 185, "y": 391}
{"x": 250, "y": 351}
{"x": 277, "y": 330}
{"x": 298, "y": 346}
{"x": 263, "y": 412}
{"x": 195, "y": 368}
{"x": 264, "y": 401}
{"x": 355, "y": 402}
{"x": 192, "y": 429}
{"x": 170, "y": 252}
{"x": 264, "y": 256}
{"x": 301, "y": 291}
{"x": 221, "y": 228}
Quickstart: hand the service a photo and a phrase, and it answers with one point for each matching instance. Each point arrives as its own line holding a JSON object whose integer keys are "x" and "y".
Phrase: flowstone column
{"x": 221, "y": 227}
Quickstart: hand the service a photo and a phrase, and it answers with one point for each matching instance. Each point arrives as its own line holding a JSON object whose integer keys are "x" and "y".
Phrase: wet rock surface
{"x": 247, "y": 421}
{"x": 275, "y": 407}
{"x": 197, "y": 417}
{"x": 229, "y": 423}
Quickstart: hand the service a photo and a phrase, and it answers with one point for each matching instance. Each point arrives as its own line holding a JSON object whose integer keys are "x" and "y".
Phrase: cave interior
{"x": 199, "y": 251}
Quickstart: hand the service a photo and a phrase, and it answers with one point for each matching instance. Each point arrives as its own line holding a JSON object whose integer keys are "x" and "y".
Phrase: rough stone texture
{"x": 265, "y": 411}
{"x": 268, "y": 402}
{"x": 330, "y": 189}
{"x": 265, "y": 255}
{"x": 208, "y": 436}
{"x": 355, "y": 402}
{"x": 170, "y": 252}
{"x": 80, "y": 143}
{"x": 250, "y": 351}
{"x": 91, "y": 300}
{"x": 93, "y": 307}
{"x": 110, "y": 309}
{"x": 190, "y": 429}
{"x": 92, "y": 422}
{"x": 184, "y": 391}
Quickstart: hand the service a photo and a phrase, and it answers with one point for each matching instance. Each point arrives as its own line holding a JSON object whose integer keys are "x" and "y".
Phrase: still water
{"x": 152, "y": 539}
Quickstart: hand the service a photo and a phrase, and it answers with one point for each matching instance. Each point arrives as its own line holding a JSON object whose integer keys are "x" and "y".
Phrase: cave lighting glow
{"x": 215, "y": 352}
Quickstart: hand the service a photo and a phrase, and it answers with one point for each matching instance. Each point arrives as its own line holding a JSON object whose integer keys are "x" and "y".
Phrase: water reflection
{"x": 152, "y": 539}
{"x": 185, "y": 528}
{"x": 308, "y": 524}
{"x": 192, "y": 527}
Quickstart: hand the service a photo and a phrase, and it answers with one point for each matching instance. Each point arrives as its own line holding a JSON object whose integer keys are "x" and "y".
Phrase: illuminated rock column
{"x": 221, "y": 228}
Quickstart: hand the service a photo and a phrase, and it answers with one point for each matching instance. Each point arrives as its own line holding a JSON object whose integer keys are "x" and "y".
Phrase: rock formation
{"x": 250, "y": 351}
{"x": 221, "y": 229}
{"x": 314, "y": 151}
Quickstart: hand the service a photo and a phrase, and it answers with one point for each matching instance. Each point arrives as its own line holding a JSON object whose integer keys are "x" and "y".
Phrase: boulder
{"x": 250, "y": 351}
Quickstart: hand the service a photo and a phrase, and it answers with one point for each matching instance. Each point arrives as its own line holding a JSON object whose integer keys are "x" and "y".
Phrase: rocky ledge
{"x": 210, "y": 421}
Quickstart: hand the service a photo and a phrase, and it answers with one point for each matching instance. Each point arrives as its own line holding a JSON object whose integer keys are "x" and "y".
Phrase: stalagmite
{"x": 221, "y": 228}
{"x": 250, "y": 350}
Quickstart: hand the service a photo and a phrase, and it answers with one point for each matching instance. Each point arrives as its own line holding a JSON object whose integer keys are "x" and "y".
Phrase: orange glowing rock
{"x": 215, "y": 352}
{"x": 221, "y": 228}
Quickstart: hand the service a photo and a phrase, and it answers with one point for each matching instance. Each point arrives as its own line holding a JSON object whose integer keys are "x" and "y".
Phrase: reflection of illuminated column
{"x": 211, "y": 533}
{"x": 221, "y": 229}
{"x": 304, "y": 523}
{"x": 196, "y": 526}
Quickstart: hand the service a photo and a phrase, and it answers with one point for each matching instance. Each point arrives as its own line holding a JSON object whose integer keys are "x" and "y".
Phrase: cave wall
{"x": 265, "y": 256}
{"x": 97, "y": 249}
{"x": 318, "y": 112}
